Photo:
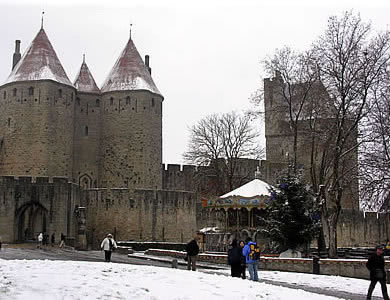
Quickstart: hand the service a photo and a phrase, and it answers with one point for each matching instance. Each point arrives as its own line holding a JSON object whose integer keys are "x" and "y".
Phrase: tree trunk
{"x": 332, "y": 226}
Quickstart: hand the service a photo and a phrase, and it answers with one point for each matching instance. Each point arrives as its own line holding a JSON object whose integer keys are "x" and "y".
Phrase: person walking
{"x": 192, "y": 250}
{"x": 243, "y": 261}
{"x": 108, "y": 245}
{"x": 40, "y": 239}
{"x": 53, "y": 239}
{"x": 251, "y": 260}
{"x": 376, "y": 266}
{"x": 234, "y": 259}
{"x": 62, "y": 243}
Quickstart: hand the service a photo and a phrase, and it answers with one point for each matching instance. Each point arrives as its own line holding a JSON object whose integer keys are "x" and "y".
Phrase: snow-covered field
{"x": 66, "y": 280}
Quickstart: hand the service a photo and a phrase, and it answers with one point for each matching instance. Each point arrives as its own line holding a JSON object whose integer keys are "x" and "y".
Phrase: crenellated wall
{"x": 30, "y": 205}
{"x": 145, "y": 215}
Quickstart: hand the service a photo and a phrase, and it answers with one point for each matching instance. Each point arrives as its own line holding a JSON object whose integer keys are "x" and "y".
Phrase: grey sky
{"x": 205, "y": 55}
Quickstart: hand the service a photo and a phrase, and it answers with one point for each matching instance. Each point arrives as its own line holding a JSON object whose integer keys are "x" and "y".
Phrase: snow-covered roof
{"x": 84, "y": 81}
{"x": 129, "y": 73}
{"x": 256, "y": 187}
{"x": 39, "y": 62}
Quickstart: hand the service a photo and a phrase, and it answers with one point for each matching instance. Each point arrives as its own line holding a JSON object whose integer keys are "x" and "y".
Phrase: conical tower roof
{"x": 39, "y": 62}
{"x": 84, "y": 81}
{"x": 129, "y": 73}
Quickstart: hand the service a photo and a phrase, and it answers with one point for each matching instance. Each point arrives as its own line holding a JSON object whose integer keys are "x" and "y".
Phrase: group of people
{"x": 244, "y": 254}
{"x": 43, "y": 239}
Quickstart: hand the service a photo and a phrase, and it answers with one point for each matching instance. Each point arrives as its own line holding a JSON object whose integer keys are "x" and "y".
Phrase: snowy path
{"x": 44, "y": 279}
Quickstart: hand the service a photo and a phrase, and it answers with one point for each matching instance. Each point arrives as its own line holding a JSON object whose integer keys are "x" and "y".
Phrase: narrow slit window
{"x": 86, "y": 131}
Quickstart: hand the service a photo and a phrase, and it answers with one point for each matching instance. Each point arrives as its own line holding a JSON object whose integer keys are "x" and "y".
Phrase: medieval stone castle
{"x": 84, "y": 161}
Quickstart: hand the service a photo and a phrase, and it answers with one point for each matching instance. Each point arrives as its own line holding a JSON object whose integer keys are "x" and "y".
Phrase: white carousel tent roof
{"x": 256, "y": 187}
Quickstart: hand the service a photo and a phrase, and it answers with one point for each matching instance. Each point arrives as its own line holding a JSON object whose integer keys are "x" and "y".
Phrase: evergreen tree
{"x": 292, "y": 216}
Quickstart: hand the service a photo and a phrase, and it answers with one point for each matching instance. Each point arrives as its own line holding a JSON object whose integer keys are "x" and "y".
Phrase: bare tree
{"x": 351, "y": 62}
{"x": 375, "y": 152}
{"x": 220, "y": 141}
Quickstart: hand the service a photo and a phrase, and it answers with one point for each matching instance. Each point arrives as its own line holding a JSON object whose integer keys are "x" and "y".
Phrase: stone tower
{"x": 131, "y": 124}
{"x": 36, "y": 114}
{"x": 87, "y": 129}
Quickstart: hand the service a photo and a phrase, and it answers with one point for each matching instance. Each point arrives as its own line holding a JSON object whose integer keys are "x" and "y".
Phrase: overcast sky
{"x": 205, "y": 55}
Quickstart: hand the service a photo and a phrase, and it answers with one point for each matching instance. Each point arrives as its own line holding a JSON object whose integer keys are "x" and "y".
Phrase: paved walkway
{"x": 29, "y": 251}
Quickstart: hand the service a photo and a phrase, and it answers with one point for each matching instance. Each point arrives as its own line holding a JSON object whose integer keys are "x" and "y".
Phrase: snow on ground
{"x": 68, "y": 280}
{"x": 333, "y": 283}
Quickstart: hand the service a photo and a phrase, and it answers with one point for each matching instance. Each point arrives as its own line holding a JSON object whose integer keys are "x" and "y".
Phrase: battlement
{"x": 9, "y": 179}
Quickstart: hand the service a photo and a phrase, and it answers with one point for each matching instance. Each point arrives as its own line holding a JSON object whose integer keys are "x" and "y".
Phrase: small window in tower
{"x": 127, "y": 100}
{"x": 111, "y": 101}
{"x": 30, "y": 91}
{"x": 152, "y": 101}
{"x": 60, "y": 93}
{"x": 15, "y": 90}
{"x": 71, "y": 96}
{"x": 5, "y": 95}
{"x": 9, "y": 122}
{"x": 86, "y": 130}
{"x": 97, "y": 102}
{"x": 78, "y": 100}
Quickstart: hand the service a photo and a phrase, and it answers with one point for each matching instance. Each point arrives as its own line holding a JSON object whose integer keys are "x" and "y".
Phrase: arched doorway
{"x": 31, "y": 219}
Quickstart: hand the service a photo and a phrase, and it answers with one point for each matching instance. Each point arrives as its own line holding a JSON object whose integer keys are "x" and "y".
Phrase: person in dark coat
{"x": 234, "y": 259}
{"x": 53, "y": 239}
{"x": 192, "y": 250}
{"x": 243, "y": 261}
{"x": 376, "y": 265}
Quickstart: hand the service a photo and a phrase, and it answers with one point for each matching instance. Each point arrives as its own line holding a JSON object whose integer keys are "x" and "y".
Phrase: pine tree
{"x": 291, "y": 218}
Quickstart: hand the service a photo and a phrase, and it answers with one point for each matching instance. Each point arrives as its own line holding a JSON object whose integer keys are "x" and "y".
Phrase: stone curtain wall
{"x": 36, "y": 129}
{"x": 356, "y": 228}
{"x": 143, "y": 215}
{"x": 36, "y": 198}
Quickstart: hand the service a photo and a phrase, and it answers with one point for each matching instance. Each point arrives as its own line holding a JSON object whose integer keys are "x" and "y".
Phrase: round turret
{"x": 36, "y": 115}
{"x": 132, "y": 125}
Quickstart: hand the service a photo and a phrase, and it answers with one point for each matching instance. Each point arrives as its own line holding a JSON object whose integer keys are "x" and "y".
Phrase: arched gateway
{"x": 30, "y": 220}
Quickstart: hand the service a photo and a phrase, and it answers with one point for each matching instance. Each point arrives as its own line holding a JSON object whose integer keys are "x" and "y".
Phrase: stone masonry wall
{"x": 87, "y": 138}
{"x": 30, "y": 205}
{"x": 36, "y": 129}
{"x": 143, "y": 215}
{"x": 132, "y": 140}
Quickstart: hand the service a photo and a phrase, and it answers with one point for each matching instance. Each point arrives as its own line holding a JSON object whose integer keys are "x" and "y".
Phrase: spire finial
{"x": 84, "y": 58}
{"x": 131, "y": 25}
{"x": 43, "y": 12}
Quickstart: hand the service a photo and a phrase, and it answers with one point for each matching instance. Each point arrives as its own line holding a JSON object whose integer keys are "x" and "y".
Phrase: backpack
{"x": 255, "y": 252}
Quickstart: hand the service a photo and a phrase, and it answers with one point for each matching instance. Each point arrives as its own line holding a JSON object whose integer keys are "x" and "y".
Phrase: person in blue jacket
{"x": 252, "y": 264}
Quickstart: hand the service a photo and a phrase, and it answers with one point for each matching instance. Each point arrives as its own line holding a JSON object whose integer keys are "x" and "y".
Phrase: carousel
{"x": 236, "y": 214}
